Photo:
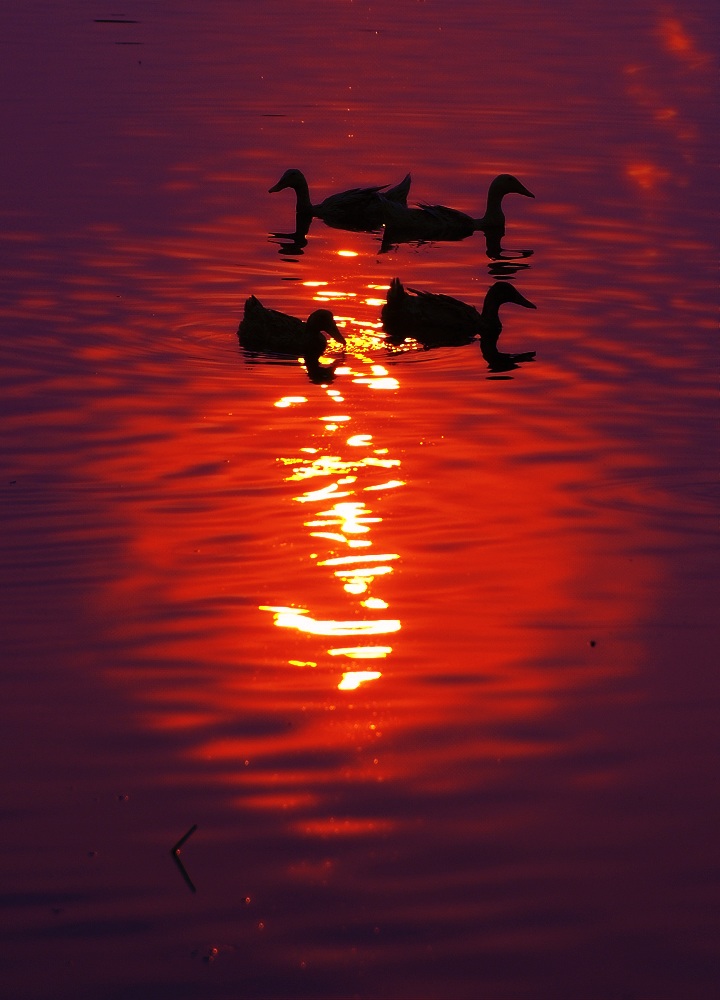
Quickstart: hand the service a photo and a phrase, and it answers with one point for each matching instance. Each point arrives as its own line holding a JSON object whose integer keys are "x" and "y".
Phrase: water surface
{"x": 427, "y": 652}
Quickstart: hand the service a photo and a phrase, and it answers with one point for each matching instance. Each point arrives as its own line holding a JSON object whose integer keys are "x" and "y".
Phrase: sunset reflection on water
{"x": 343, "y": 467}
{"x": 421, "y": 653}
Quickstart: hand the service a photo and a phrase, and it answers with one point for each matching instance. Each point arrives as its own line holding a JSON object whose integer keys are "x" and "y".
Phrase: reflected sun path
{"x": 352, "y": 468}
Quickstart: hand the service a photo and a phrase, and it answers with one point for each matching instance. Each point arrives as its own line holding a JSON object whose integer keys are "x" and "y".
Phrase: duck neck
{"x": 490, "y": 314}
{"x": 303, "y": 206}
{"x": 494, "y": 216}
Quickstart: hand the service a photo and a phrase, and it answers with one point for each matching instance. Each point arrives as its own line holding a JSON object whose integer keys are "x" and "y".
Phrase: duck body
{"x": 268, "y": 331}
{"x": 441, "y": 320}
{"x": 428, "y": 317}
{"x": 438, "y": 222}
{"x": 358, "y": 209}
{"x": 425, "y": 223}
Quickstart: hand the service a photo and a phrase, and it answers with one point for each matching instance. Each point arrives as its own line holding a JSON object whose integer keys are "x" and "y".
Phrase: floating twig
{"x": 176, "y": 849}
{"x": 175, "y": 852}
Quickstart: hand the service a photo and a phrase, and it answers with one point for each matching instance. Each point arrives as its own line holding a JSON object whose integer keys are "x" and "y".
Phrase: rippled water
{"x": 423, "y": 655}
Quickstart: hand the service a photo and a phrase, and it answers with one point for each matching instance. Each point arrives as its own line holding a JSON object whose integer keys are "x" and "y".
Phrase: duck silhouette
{"x": 443, "y": 321}
{"x": 268, "y": 331}
{"x": 358, "y": 209}
{"x": 437, "y": 222}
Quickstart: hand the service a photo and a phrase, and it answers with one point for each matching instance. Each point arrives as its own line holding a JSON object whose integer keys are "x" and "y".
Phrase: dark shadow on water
{"x": 290, "y": 244}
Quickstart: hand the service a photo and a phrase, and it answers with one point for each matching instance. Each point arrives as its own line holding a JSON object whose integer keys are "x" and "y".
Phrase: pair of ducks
{"x": 370, "y": 208}
{"x": 432, "y": 319}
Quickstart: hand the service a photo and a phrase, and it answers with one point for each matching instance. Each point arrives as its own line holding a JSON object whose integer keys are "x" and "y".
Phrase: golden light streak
{"x": 290, "y": 400}
{"x": 389, "y": 485}
{"x": 333, "y": 490}
{"x": 362, "y": 652}
{"x": 360, "y": 574}
{"x": 347, "y": 253}
{"x": 301, "y": 620}
{"x": 375, "y": 603}
{"x": 378, "y": 383}
{"x": 330, "y": 535}
{"x": 352, "y": 560}
{"x": 357, "y": 574}
{"x": 350, "y": 515}
{"x": 352, "y": 680}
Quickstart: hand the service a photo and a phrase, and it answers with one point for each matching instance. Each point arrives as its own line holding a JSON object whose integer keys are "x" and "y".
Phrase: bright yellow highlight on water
{"x": 290, "y": 400}
{"x": 375, "y": 602}
{"x": 300, "y": 619}
{"x": 381, "y": 379}
{"x": 352, "y": 680}
{"x": 352, "y": 560}
{"x": 351, "y": 515}
{"x": 362, "y": 652}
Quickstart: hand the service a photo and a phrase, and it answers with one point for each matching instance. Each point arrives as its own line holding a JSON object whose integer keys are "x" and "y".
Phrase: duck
{"x": 268, "y": 331}
{"x": 442, "y": 321}
{"x": 358, "y": 209}
{"x": 437, "y": 222}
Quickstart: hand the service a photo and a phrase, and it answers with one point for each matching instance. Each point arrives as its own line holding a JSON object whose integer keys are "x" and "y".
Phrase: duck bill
{"x": 522, "y": 301}
{"x": 276, "y": 187}
{"x": 336, "y": 335}
{"x": 523, "y": 190}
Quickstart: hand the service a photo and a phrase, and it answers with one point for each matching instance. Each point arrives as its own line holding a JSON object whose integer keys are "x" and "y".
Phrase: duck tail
{"x": 396, "y": 293}
{"x": 253, "y": 305}
{"x": 400, "y": 192}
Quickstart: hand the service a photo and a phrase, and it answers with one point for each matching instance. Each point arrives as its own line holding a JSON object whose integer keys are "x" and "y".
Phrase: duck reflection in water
{"x": 442, "y": 321}
{"x": 270, "y": 332}
{"x": 431, "y": 223}
{"x": 356, "y": 210}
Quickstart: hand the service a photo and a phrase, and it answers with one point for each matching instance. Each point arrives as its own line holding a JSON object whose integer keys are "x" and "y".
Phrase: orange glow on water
{"x": 680, "y": 43}
{"x": 647, "y": 176}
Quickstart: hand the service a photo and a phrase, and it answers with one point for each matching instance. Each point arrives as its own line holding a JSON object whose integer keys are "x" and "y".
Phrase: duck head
{"x": 292, "y": 178}
{"x": 504, "y": 291}
{"x": 507, "y": 184}
{"x": 494, "y": 217}
{"x": 497, "y": 295}
{"x": 323, "y": 321}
